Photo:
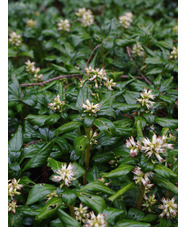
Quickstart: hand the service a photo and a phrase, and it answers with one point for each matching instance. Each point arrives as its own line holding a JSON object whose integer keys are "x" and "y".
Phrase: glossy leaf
{"x": 96, "y": 203}
{"x": 40, "y": 158}
{"x": 38, "y": 192}
{"x": 97, "y": 186}
{"x": 122, "y": 191}
{"x": 123, "y": 169}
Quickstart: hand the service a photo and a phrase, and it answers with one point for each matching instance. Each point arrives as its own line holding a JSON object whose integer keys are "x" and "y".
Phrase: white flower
{"x": 148, "y": 187}
{"x": 15, "y": 39}
{"x": 81, "y": 213}
{"x": 96, "y": 221}
{"x": 13, "y": 187}
{"x": 93, "y": 135}
{"x": 126, "y": 20}
{"x": 87, "y": 17}
{"x": 145, "y": 100}
{"x": 30, "y": 23}
{"x": 133, "y": 146}
{"x": 82, "y": 81}
{"x": 64, "y": 174}
{"x": 174, "y": 53}
{"x": 57, "y": 104}
{"x": 12, "y": 206}
{"x": 150, "y": 201}
{"x": 30, "y": 66}
{"x": 141, "y": 178}
{"x": 97, "y": 75}
{"x": 103, "y": 181}
{"x": 64, "y": 25}
{"x": 137, "y": 50}
{"x": 90, "y": 107}
{"x": 169, "y": 208}
{"x": 157, "y": 146}
{"x": 175, "y": 29}
{"x": 38, "y": 77}
{"x": 109, "y": 84}
{"x": 52, "y": 195}
{"x": 80, "y": 12}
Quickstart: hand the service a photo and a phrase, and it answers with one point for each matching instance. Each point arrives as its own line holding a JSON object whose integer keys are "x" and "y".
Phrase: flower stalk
{"x": 87, "y": 155}
{"x": 140, "y": 199}
{"x": 71, "y": 208}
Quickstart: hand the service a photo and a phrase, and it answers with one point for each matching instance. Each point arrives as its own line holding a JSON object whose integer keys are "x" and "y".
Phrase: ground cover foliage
{"x": 93, "y": 113}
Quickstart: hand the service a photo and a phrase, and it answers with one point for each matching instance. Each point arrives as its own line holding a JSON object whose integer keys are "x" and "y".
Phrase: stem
{"x": 71, "y": 208}
{"x": 140, "y": 199}
{"x": 87, "y": 158}
{"x": 87, "y": 155}
{"x": 144, "y": 57}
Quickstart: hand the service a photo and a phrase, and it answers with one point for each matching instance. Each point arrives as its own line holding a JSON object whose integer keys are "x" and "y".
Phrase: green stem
{"x": 87, "y": 158}
{"x": 144, "y": 57}
{"x": 140, "y": 199}
{"x": 71, "y": 208}
{"x": 87, "y": 155}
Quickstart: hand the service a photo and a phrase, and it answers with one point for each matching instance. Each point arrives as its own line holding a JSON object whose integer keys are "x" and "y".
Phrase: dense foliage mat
{"x": 93, "y": 113}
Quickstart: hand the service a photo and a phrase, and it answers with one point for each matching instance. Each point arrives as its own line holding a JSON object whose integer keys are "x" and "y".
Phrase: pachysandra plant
{"x": 93, "y": 108}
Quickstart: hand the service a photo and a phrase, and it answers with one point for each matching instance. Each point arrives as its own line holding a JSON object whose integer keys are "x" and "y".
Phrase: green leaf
{"x": 41, "y": 120}
{"x": 130, "y": 96}
{"x": 127, "y": 223}
{"x": 104, "y": 140}
{"x": 123, "y": 169}
{"x": 27, "y": 211}
{"x": 78, "y": 170}
{"x": 105, "y": 125}
{"x": 26, "y": 181}
{"x": 82, "y": 96}
{"x": 80, "y": 144}
{"x": 135, "y": 214}
{"x": 139, "y": 129}
{"x": 124, "y": 42}
{"x": 70, "y": 126}
{"x": 58, "y": 68}
{"x": 12, "y": 53}
{"x": 165, "y": 85}
{"x": 16, "y": 141}
{"x": 49, "y": 209}
{"x": 53, "y": 164}
{"x": 112, "y": 214}
{"x": 68, "y": 196}
{"x": 96, "y": 203}
{"x": 155, "y": 71}
{"x": 56, "y": 223}
{"x": 149, "y": 218}
{"x": 67, "y": 220}
{"x": 38, "y": 192}
{"x": 165, "y": 184}
{"x": 126, "y": 107}
{"x": 96, "y": 186}
{"x": 105, "y": 105}
{"x": 167, "y": 122}
{"x": 40, "y": 158}
{"x": 164, "y": 171}
{"x": 155, "y": 60}
{"x": 88, "y": 121}
{"x": 122, "y": 191}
